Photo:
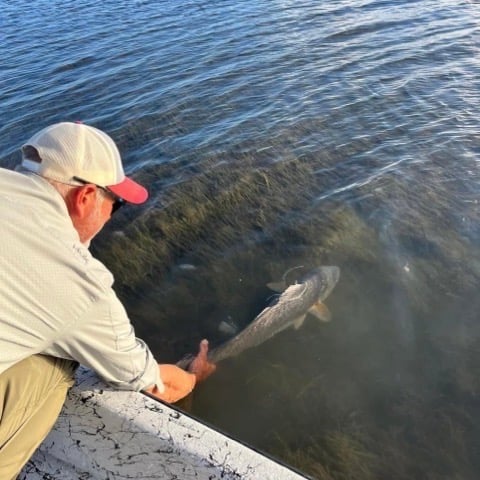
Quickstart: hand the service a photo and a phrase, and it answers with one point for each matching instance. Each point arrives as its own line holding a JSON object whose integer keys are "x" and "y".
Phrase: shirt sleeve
{"x": 104, "y": 340}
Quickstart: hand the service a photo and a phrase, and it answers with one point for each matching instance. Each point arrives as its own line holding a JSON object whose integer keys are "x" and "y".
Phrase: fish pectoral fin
{"x": 277, "y": 286}
{"x": 298, "y": 322}
{"x": 321, "y": 311}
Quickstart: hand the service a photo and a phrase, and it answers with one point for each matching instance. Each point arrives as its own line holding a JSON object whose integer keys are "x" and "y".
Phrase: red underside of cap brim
{"x": 130, "y": 191}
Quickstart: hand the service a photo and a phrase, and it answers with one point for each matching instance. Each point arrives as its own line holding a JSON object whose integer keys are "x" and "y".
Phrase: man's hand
{"x": 178, "y": 383}
{"x": 200, "y": 366}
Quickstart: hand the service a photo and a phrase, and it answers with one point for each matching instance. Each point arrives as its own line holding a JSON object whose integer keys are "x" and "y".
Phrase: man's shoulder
{"x": 11, "y": 177}
{"x": 92, "y": 268}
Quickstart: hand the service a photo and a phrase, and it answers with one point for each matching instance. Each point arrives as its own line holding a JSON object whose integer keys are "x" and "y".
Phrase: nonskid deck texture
{"x": 107, "y": 434}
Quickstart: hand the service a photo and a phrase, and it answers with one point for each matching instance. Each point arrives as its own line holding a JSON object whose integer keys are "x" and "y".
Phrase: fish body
{"x": 286, "y": 310}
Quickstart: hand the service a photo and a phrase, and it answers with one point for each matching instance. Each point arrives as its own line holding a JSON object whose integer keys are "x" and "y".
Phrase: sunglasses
{"x": 117, "y": 201}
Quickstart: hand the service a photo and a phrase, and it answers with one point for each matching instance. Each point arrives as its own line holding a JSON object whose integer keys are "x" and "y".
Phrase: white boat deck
{"x": 109, "y": 434}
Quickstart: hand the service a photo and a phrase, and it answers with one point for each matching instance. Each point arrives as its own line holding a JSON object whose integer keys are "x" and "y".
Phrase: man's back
{"x": 49, "y": 279}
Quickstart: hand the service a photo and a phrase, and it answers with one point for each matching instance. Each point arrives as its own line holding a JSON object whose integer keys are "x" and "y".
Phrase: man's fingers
{"x": 203, "y": 351}
{"x": 200, "y": 365}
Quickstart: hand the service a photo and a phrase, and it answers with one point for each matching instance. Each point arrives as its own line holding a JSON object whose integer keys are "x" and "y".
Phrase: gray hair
{"x": 64, "y": 189}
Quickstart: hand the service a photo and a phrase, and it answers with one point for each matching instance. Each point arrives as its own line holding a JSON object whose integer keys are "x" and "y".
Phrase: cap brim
{"x": 130, "y": 191}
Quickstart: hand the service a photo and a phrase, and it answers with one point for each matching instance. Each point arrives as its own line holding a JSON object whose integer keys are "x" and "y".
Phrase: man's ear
{"x": 82, "y": 201}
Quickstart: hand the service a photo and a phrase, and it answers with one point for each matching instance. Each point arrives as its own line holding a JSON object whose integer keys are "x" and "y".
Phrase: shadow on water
{"x": 389, "y": 388}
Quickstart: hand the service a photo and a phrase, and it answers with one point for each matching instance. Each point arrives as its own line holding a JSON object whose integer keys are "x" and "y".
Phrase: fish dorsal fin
{"x": 298, "y": 322}
{"x": 277, "y": 286}
{"x": 321, "y": 311}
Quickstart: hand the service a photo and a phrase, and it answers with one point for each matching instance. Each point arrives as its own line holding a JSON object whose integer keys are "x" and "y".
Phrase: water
{"x": 275, "y": 134}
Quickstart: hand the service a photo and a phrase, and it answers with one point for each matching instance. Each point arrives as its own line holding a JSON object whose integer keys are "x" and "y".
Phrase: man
{"x": 57, "y": 303}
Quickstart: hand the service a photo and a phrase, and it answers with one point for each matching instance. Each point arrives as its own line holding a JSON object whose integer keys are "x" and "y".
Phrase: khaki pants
{"x": 32, "y": 393}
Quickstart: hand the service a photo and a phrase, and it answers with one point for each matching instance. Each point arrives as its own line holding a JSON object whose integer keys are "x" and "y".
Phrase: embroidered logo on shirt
{"x": 80, "y": 253}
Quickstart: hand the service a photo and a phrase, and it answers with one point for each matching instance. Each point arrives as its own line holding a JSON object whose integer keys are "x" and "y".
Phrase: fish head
{"x": 326, "y": 278}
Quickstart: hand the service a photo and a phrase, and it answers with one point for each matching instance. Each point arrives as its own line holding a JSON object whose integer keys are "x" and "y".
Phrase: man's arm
{"x": 103, "y": 339}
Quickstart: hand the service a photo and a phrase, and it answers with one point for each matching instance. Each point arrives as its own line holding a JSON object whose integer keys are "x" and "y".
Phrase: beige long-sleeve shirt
{"x": 55, "y": 298}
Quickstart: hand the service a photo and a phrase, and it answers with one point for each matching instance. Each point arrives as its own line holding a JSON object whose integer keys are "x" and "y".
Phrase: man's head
{"x": 87, "y": 161}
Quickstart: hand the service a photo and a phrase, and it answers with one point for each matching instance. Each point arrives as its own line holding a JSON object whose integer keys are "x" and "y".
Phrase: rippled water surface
{"x": 274, "y": 134}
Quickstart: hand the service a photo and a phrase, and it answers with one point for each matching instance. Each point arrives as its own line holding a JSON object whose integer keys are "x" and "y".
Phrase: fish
{"x": 288, "y": 309}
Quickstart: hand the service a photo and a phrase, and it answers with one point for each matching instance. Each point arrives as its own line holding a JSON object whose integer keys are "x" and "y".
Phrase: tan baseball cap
{"x": 71, "y": 152}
